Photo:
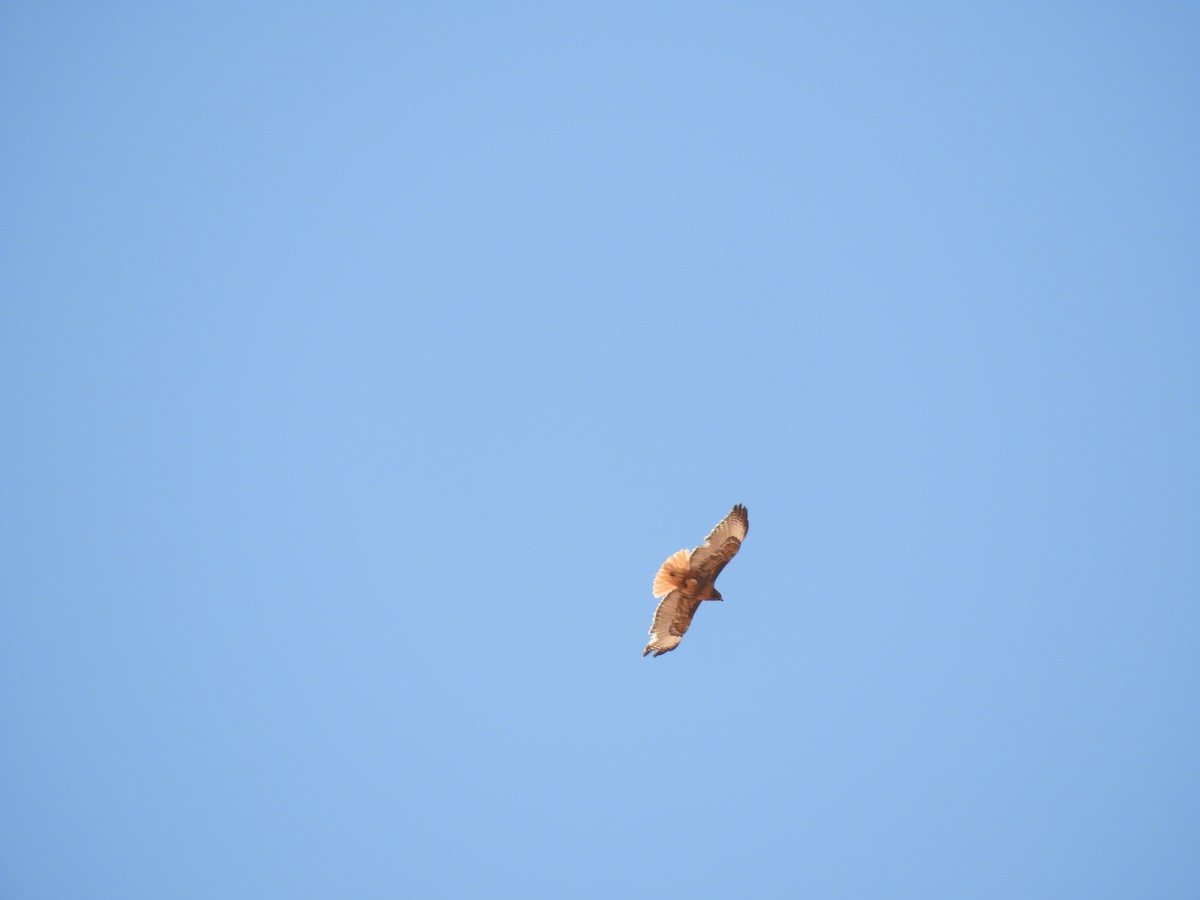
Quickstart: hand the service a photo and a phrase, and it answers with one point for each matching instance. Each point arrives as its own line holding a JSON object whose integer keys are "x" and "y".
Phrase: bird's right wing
{"x": 721, "y": 544}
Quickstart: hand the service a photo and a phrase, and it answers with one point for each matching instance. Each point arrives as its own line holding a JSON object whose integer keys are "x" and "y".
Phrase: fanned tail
{"x": 673, "y": 573}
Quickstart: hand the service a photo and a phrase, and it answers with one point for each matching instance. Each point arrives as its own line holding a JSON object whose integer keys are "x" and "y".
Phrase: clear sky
{"x": 360, "y": 364}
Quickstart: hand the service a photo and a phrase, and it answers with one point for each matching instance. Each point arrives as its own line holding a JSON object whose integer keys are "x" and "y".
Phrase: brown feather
{"x": 673, "y": 573}
{"x": 722, "y": 543}
{"x": 671, "y": 621}
{"x": 686, "y": 579}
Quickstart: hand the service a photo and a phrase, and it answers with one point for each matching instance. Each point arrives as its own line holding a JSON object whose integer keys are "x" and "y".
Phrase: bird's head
{"x": 716, "y": 595}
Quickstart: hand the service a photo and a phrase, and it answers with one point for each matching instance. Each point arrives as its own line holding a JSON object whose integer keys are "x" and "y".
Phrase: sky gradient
{"x": 360, "y": 366}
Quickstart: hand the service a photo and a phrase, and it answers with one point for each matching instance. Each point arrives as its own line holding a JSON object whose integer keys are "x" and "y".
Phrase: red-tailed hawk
{"x": 687, "y": 577}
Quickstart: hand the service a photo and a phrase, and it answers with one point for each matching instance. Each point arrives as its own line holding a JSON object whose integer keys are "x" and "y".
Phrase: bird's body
{"x": 688, "y": 578}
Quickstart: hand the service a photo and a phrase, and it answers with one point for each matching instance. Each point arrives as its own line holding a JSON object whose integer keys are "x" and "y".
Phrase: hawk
{"x": 687, "y": 577}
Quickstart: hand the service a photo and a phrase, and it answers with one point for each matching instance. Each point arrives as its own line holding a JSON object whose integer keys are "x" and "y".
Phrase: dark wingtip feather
{"x": 743, "y": 514}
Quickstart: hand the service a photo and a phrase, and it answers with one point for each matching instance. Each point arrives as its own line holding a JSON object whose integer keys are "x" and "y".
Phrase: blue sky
{"x": 360, "y": 365}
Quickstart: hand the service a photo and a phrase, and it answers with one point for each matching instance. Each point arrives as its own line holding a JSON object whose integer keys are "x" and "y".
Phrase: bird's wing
{"x": 721, "y": 544}
{"x": 671, "y": 621}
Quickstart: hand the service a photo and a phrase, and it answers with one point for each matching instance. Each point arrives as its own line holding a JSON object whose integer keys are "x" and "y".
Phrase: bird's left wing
{"x": 671, "y": 621}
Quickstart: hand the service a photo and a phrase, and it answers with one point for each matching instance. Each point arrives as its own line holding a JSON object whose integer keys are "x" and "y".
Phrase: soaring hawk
{"x": 687, "y": 577}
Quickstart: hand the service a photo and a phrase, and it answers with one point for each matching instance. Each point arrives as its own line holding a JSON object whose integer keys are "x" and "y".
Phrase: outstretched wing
{"x": 671, "y": 621}
{"x": 721, "y": 544}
